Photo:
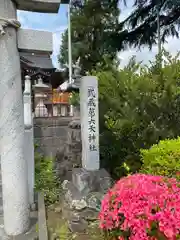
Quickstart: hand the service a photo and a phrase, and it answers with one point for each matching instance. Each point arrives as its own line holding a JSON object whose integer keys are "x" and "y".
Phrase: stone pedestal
{"x": 71, "y": 111}
{"x": 55, "y": 111}
{"x": 91, "y": 181}
{"x": 13, "y": 163}
{"x": 83, "y": 195}
{"x": 77, "y": 112}
{"x": 63, "y": 110}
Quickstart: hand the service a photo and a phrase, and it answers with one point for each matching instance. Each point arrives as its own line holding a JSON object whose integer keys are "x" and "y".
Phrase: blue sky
{"x": 57, "y": 23}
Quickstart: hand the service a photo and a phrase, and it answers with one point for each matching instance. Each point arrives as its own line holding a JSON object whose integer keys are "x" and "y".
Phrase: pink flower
{"x": 139, "y": 203}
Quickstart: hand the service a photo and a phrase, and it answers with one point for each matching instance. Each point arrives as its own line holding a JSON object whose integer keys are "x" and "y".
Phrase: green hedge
{"x": 162, "y": 158}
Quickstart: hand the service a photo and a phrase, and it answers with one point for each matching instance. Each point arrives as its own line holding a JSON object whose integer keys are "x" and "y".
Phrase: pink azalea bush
{"x": 142, "y": 207}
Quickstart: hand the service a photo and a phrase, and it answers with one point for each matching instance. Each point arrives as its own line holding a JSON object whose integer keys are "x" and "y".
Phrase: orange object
{"x": 60, "y": 97}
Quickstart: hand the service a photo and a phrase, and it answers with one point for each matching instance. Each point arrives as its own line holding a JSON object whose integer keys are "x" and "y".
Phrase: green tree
{"x": 141, "y": 27}
{"x": 138, "y": 107}
{"x": 92, "y": 23}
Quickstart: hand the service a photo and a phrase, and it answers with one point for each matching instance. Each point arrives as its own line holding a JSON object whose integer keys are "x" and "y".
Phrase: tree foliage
{"x": 139, "y": 106}
{"x": 140, "y": 28}
{"x": 92, "y": 23}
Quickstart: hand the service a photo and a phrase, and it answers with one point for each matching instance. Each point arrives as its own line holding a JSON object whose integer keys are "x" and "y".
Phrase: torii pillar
{"x": 13, "y": 163}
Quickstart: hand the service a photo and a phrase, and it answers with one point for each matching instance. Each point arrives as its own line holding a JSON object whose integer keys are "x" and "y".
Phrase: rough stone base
{"x": 70, "y": 155}
{"x": 91, "y": 181}
{"x": 82, "y": 197}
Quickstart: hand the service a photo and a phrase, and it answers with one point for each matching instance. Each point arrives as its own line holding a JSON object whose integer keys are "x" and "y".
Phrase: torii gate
{"x": 13, "y": 164}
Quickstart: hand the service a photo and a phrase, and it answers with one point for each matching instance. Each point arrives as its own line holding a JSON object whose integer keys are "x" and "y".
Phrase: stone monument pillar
{"x": 13, "y": 164}
{"x": 85, "y": 190}
{"x": 89, "y": 123}
{"x": 29, "y": 137}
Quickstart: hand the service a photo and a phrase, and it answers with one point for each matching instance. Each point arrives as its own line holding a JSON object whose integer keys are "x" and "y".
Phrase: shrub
{"x": 139, "y": 106}
{"x": 45, "y": 178}
{"x": 162, "y": 158}
{"x": 142, "y": 207}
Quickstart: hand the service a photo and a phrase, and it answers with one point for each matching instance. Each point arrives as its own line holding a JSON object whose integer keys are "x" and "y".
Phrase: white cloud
{"x": 145, "y": 55}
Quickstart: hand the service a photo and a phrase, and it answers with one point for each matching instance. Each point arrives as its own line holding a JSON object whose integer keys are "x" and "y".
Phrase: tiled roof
{"x": 40, "y": 61}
